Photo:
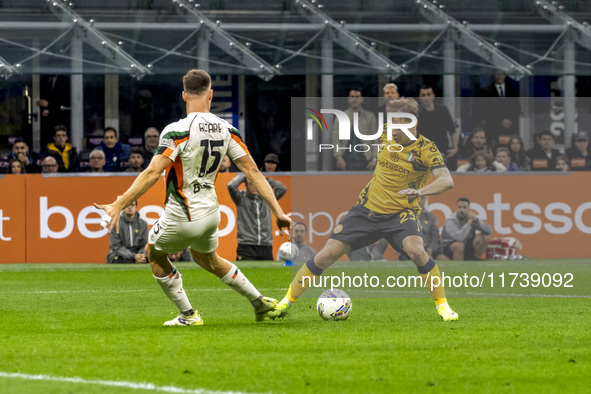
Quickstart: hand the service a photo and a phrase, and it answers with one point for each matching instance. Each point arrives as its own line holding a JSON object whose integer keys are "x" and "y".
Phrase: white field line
{"x": 112, "y": 383}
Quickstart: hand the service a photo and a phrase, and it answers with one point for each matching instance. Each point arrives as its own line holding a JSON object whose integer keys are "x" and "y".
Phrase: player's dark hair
{"x": 478, "y": 130}
{"x": 196, "y": 82}
{"x": 301, "y": 224}
{"x": 425, "y": 87}
{"x": 547, "y": 132}
{"x": 403, "y": 104}
{"x": 136, "y": 150}
{"x": 107, "y": 129}
{"x": 60, "y": 127}
{"x": 463, "y": 199}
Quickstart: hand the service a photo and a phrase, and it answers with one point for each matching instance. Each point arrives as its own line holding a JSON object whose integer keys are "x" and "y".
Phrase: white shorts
{"x": 171, "y": 235}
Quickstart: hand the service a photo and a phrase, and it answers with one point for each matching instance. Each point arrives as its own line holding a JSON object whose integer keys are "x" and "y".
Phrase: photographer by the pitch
{"x": 459, "y": 240}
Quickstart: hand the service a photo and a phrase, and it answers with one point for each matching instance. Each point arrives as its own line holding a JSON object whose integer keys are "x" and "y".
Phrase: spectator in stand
{"x": 368, "y": 124}
{"x": 15, "y": 167}
{"x": 502, "y": 157}
{"x": 501, "y": 112}
{"x": 84, "y": 161}
{"x": 47, "y": 121}
{"x": 255, "y": 228}
{"x": 543, "y": 157}
{"x": 136, "y": 160}
{"x": 4, "y": 159}
{"x": 517, "y": 153}
{"x": 476, "y": 142}
{"x": 390, "y": 91}
{"x": 429, "y": 227}
{"x": 271, "y": 163}
{"x": 127, "y": 245}
{"x": 151, "y": 138}
{"x": 561, "y": 163}
{"x": 459, "y": 240}
{"x": 579, "y": 156}
{"x": 90, "y": 142}
{"x": 298, "y": 237}
{"x": 225, "y": 164}
{"x": 55, "y": 97}
{"x": 481, "y": 162}
{"x": 116, "y": 153}
{"x": 438, "y": 126}
{"x": 97, "y": 161}
{"x": 63, "y": 152}
{"x": 537, "y": 141}
{"x": 49, "y": 165}
{"x": 29, "y": 160}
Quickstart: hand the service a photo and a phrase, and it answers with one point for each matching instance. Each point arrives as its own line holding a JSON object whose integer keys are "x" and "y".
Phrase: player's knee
{"x": 324, "y": 260}
{"x": 205, "y": 262}
{"x": 196, "y": 257}
{"x": 329, "y": 255}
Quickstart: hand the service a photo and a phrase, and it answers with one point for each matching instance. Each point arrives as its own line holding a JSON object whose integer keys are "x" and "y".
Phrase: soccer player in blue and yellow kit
{"x": 388, "y": 207}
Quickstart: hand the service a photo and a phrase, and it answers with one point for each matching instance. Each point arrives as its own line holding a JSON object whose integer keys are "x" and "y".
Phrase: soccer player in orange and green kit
{"x": 388, "y": 207}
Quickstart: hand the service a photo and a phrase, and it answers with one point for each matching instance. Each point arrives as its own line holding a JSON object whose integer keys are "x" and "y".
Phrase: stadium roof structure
{"x": 269, "y": 38}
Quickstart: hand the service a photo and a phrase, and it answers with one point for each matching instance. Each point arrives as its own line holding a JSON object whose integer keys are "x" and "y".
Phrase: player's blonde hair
{"x": 403, "y": 104}
{"x": 196, "y": 82}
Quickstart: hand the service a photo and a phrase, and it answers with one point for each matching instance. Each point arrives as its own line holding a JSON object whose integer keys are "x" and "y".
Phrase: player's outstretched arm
{"x": 142, "y": 184}
{"x": 443, "y": 181}
{"x": 252, "y": 173}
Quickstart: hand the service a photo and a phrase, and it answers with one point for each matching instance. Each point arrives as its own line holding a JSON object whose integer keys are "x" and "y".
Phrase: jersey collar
{"x": 413, "y": 142}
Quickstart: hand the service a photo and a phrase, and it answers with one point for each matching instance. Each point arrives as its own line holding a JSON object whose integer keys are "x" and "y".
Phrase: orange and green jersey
{"x": 196, "y": 146}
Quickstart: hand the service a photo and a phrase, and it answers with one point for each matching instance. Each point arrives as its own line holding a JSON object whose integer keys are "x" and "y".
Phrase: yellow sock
{"x": 437, "y": 292}
{"x": 300, "y": 283}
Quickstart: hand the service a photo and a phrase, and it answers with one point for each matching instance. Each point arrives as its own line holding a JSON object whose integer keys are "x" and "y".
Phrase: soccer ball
{"x": 288, "y": 251}
{"x": 334, "y": 304}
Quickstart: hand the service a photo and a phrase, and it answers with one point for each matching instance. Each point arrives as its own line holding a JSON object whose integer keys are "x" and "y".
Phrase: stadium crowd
{"x": 108, "y": 155}
{"x": 493, "y": 144}
{"x": 474, "y": 153}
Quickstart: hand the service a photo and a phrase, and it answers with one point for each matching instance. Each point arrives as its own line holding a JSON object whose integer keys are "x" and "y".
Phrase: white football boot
{"x": 182, "y": 320}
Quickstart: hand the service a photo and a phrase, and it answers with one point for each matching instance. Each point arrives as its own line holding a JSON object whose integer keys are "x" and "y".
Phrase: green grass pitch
{"x": 86, "y": 327}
